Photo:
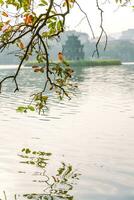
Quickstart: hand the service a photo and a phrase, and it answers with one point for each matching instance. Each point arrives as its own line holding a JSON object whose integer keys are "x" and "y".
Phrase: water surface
{"x": 94, "y": 132}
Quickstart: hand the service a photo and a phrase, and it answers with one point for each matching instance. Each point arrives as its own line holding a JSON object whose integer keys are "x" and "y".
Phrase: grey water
{"x": 94, "y": 132}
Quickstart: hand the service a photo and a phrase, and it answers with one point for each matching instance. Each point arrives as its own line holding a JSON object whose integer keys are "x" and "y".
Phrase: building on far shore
{"x": 73, "y": 49}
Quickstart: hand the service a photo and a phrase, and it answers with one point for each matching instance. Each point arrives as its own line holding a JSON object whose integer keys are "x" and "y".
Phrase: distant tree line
{"x": 119, "y": 49}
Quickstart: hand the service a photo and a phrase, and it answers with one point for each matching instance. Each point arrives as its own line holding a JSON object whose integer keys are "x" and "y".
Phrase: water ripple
{"x": 94, "y": 131}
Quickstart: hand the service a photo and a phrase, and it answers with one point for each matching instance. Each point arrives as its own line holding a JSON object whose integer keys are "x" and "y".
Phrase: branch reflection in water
{"x": 55, "y": 187}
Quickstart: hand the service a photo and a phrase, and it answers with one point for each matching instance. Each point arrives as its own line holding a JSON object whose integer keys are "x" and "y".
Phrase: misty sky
{"x": 115, "y": 19}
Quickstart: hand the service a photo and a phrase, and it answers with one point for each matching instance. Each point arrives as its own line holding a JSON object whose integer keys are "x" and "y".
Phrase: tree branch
{"x": 86, "y": 18}
{"x": 102, "y": 31}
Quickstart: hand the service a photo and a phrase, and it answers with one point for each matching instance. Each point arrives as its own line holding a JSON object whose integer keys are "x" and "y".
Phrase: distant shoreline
{"x": 127, "y": 63}
{"x": 84, "y": 63}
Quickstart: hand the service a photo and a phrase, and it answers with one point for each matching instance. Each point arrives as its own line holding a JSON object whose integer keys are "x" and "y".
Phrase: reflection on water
{"x": 56, "y": 186}
{"x": 93, "y": 132}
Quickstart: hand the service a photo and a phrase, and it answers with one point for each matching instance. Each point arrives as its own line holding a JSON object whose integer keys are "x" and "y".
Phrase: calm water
{"x": 94, "y": 132}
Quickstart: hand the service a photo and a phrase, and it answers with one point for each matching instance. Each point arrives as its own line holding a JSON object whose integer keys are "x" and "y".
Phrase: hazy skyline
{"x": 115, "y": 19}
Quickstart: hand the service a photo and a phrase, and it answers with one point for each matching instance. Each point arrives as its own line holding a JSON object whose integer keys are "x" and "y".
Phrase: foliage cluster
{"x": 37, "y": 21}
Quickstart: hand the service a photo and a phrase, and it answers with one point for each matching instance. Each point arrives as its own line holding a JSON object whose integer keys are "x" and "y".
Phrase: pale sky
{"x": 115, "y": 19}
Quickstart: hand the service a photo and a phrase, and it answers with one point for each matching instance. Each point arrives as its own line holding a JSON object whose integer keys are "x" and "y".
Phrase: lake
{"x": 94, "y": 132}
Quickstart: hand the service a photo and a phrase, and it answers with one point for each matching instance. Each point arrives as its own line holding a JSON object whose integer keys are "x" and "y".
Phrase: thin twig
{"x": 86, "y": 18}
{"x": 102, "y": 31}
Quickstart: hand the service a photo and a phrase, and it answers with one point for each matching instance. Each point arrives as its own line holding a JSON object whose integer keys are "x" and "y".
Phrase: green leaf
{"x": 32, "y": 163}
{"x": 27, "y": 151}
{"x": 23, "y": 150}
{"x": 52, "y": 25}
{"x": 45, "y": 3}
{"x": 31, "y": 108}
{"x": 21, "y": 109}
{"x": 34, "y": 152}
{"x": 59, "y": 25}
{"x": 41, "y": 4}
{"x": 44, "y": 98}
{"x": 48, "y": 154}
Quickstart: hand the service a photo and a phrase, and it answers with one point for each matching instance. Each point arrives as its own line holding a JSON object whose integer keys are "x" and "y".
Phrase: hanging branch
{"x": 35, "y": 29}
{"x": 101, "y": 26}
{"x": 103, "y": 32}
{"x": 86, "y": 16}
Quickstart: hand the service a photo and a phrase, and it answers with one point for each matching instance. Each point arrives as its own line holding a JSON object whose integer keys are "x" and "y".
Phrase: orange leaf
{"x": 35, "y": 66}
{"x": 37, "y": 70}
{"x": 21, "y": 45}
{"x": 4, "y": 14}
{"x": 28, "y": 19}
{"x": 7, "y": 22}
{"x": 60, "y": 56}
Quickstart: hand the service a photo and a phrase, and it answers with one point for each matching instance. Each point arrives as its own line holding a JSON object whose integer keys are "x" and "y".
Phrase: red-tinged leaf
{"x": 37, "y": 70}
{"x": 35, "y": 66}
{"x": 42, "y": 70}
